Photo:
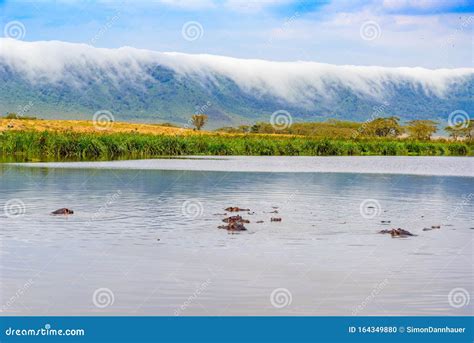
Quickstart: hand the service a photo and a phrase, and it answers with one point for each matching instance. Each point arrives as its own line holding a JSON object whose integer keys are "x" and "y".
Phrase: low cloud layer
{"x": 299, "y": 81}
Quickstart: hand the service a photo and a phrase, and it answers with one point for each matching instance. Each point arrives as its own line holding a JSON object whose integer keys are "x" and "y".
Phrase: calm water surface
{"x": 145, "y": 242}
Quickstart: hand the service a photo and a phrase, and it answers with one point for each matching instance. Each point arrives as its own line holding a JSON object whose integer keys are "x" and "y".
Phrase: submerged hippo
{"x": 62, "y": 211}
{"x": 398, "y": 232}
{"x": 234, "y": 219}
{"x": 234, "y": 223}
{"x": 234, "y": 226}
{"x": 433, "y": 227}
{"x": 236, "y": 209}
{"x": 275, "y": 219}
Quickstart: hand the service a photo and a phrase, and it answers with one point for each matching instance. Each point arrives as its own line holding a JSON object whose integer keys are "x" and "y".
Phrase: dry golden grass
{"x": 87, "y": 126}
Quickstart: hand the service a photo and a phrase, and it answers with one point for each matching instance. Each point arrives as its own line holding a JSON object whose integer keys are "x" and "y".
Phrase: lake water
{"x": 144, "y": 241}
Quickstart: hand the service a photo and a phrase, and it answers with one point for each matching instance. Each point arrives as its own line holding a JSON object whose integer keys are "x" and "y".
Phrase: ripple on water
{"x": 322, "y": 238}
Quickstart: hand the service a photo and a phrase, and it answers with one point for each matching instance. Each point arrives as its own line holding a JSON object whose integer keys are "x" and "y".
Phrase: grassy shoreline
{"x": 59, "y": 145}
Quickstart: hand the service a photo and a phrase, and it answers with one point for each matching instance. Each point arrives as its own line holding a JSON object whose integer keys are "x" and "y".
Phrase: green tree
{"x": 422, "y": 129}
{"x": 261, "y": 127}
{"x": 12, "y": 115}
{"x": 199, "y": 120}
{"x": 384, "y": 127}
{"x": 453, "y": 132}
{"x": 467, "y": 131}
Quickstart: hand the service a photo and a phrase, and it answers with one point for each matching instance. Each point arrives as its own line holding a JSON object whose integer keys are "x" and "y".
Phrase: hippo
{"x": 234, "y": 223}
{"x": 433, "y": 227}
{"x": 398, "y": 232}
{"x": 237, "y": 209}
{"x": 275, "y": 219}
{"x": 233, "y": 226}
{"x": 234, "y": 219}
{"x": 62, "y": 211}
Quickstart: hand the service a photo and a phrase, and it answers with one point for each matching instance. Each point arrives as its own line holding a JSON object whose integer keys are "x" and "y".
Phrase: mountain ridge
{"x": 73, "y": 81}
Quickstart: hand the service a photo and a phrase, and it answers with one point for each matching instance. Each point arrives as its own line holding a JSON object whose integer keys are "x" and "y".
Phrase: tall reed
{"x": 90, "y": 146}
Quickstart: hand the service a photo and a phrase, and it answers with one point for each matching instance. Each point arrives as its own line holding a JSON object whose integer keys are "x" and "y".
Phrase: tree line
{"x": 389, "y": 127}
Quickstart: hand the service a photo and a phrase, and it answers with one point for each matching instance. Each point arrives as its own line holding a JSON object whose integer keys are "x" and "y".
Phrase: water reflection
{"x": 130, "y": 234}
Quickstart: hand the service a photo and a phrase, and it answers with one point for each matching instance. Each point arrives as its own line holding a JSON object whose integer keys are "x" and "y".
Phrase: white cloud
{"x": 333, "y": 34}
{"x": 299, "y": 82}
{"x": 253, "y": 5}
{"x": 235, "y": 5}
{"x": 190, "y": 5}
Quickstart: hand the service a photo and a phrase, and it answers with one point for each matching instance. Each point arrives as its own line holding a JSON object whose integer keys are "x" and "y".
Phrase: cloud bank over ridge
{"x": 295, "y": 82}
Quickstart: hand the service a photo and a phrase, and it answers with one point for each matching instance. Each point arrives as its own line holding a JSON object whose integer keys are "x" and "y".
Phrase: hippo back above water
{"x": 62, "y": 211}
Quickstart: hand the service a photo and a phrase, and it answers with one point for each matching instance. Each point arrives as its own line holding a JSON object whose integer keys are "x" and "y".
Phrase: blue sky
{"x": 426, "y": 33}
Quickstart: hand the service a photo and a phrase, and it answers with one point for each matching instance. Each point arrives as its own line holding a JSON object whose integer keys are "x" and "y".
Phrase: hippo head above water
{"x": 62, "y": 211}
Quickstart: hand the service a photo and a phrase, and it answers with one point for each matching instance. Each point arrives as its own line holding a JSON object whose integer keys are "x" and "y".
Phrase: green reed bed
{"x": 87, "y": 146}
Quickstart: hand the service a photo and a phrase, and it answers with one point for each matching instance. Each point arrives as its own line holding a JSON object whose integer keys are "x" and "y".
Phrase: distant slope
{"x": 73, "y": 81}
{"x": 88, "y": 126}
